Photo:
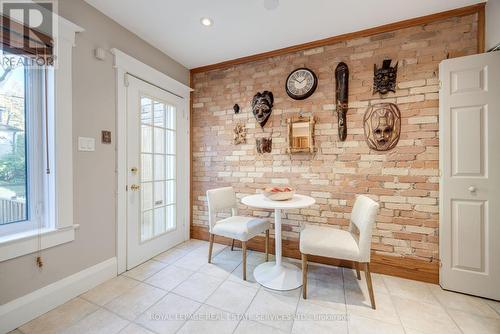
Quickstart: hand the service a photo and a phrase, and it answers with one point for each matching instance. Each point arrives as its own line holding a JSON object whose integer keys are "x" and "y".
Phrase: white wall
{"x": 492, "y": 23}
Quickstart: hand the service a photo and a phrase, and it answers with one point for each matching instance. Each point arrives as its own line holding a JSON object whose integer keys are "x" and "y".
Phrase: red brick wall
{"x": 403, "y": 180}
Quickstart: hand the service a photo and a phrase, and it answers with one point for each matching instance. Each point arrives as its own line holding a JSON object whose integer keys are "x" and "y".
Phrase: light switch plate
{"x": 86, "y": 144}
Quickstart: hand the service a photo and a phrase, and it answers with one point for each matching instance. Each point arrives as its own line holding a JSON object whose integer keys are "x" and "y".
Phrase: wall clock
{"x": 301, "y": 83}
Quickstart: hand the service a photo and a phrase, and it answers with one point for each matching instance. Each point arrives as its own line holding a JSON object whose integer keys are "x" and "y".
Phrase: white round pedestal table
{"x": 278, "y": 275}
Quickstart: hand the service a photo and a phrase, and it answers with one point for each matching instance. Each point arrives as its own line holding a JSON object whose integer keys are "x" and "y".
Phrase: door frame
{"x": 125, "y": 64}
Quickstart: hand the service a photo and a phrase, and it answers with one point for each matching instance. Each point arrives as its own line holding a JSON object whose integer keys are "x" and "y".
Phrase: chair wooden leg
{"x": 267, "y": 245}
{"x": 304, "y": 276}
{"x": 244, "y": 248}
{"x": 210, "y": 247}
{"x": 356, "y": 265}
{"x": 369, "y": 284}
{"x": 232, "y": 245}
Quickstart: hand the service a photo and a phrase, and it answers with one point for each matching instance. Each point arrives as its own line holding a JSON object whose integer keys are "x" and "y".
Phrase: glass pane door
{"x": 158, "y": 174}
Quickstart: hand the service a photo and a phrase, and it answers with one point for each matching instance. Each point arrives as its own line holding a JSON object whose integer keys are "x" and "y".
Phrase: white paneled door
{"x": 470, "y": 174}
{"x": 156, "y": 149}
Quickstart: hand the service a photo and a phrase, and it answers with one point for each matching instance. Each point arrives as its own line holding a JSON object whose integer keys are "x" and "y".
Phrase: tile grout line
{"x": 393, "y": 304}
{"x": 446, "y": 310}
{"x": 345, "y": 299}
{"x": 204, "y": 302}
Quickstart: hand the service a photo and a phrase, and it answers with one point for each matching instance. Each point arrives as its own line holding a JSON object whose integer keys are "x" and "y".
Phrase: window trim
{"x": 60, "y": 227}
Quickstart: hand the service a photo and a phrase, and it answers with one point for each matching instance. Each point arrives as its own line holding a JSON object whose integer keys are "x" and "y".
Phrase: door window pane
{"x": 147, "y": 167}
{"x": 146, "y": 111}
{"x": 170, "y": 167}
{"x": 147, "y": 225}
{"x": 159, "y": 142}
{"x": 159, "y": 193}
{"x": 159, "y": 114}
{"x": 170, "y": 217}
{"x": 160, "y": 167}
{"x": 146, "y": 139}
{"x": 170, "y": 139}
{"x": 147, "y": 196}
{"x": 160, "y": 224}
{"x": 170, "y": 192}
{"x": 170, "y": 118}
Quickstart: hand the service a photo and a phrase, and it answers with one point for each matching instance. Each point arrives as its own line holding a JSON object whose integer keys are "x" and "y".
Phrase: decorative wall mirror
{"x": 301, "y": 134}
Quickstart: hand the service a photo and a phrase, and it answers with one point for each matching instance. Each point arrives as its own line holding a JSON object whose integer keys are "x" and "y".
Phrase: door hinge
{"x": 125, "y": 80}
{"x": 440, "y": 84}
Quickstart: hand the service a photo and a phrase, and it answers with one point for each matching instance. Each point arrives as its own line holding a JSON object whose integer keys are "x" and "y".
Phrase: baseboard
{"x": 21, "y": 310}
{"x": 405, "y": 267}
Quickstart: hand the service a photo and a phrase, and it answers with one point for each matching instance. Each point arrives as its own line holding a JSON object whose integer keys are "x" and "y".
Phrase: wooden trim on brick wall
{"x": 405, "y": 267}
{"x": 478, "y": 8}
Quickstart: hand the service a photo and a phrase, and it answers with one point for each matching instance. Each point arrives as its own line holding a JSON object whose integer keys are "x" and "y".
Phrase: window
{"x": 36, "y": 136}
{"x": 23, "y": 147}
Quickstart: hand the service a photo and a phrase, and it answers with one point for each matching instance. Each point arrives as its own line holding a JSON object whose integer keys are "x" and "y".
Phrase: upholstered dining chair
{"x": 235, "y": 227}
{"x": 352, "y": 245}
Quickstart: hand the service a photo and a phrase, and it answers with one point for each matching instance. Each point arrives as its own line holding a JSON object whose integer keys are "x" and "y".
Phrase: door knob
{"x": 135, "y": 187}
{"x": 472, "y": 189}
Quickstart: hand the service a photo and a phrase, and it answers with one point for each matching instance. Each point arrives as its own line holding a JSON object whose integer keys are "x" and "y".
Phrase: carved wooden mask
{"x": 262, "y": 105}
{"x": 382, "y": 124}
{"x": 341, "y": 97}
{"x": 384, "y": 78}
{"x": 264, "y": 145}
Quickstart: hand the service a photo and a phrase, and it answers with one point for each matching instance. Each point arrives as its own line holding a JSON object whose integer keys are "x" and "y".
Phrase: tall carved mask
{"x": 262, "y": 105}
{"x": 384, "y": 78}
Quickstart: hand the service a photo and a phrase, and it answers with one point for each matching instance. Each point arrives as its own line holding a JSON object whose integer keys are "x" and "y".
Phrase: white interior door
{"x": 157, "y": 177}
{"x": 470, "y": 180}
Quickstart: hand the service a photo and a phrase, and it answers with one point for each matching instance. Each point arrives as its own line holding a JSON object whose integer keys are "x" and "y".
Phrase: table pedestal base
{"x": 285, "y": 276}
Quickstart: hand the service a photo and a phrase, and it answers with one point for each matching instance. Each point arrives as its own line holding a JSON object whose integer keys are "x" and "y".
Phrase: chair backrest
{"x": 363, "y": 217}
{"x": 220, "y": 199}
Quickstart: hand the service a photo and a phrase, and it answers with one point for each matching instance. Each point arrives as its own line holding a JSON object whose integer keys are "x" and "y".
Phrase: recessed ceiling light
{"x": 206, "y": 21}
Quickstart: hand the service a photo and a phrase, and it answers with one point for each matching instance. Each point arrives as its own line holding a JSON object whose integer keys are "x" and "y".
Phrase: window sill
{"x": 23, "y": 243}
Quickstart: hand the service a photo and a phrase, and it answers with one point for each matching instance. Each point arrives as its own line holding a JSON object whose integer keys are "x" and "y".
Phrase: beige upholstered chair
{"x": 353, "y": 245}
{"x": 235, "y": 227}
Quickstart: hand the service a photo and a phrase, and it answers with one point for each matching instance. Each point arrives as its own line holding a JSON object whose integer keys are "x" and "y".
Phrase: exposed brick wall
{"x": 403, "y": 180}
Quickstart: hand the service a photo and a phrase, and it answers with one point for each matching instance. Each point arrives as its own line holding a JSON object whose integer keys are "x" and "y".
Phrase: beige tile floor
{"x": 179, "y": 292}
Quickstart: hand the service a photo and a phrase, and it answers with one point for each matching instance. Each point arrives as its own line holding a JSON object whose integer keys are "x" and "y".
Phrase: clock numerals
{"x": 301, "y": 84}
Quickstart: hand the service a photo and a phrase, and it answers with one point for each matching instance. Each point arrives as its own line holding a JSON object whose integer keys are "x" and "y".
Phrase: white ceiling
{"x": 244, "y": 27}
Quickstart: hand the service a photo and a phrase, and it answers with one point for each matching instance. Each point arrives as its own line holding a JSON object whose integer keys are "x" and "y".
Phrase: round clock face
{"x": 301, "y": 83}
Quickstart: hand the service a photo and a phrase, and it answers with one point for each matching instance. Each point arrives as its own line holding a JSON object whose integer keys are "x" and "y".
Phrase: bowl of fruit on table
{"x": 279, "y": 193}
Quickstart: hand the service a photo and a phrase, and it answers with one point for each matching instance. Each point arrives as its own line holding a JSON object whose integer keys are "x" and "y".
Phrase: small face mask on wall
{"x": 382, "y": 124}
{"x": 384, "y": 78}
{"x": 264, "y": 145}
{"x": 262, "y": 105}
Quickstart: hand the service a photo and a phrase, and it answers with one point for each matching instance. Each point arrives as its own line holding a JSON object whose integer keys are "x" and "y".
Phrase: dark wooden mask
{"x": 384, "y": 78}
{"x": 262, "y": 106}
